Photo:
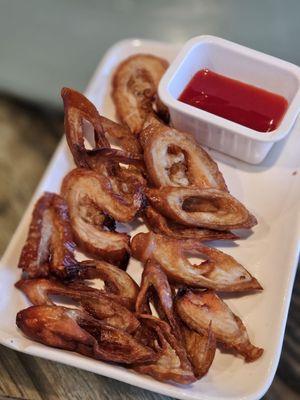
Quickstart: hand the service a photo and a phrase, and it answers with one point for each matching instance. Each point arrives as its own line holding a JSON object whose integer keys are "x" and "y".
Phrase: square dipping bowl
{"x": 245, "y": 65}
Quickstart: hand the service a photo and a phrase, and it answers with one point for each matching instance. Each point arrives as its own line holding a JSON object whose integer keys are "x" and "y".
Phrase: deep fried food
{"x": 200, "y": 348}
{"x": 154, "y": 278}
{"x": 204, "y": 208}
{"x": 172, "y": 364}
{"x": 91, "y": 199}
{"x": 199, "y": 310}
{"x": 77, "y": 110}
{"x": 174, "y": 158}
{"x": 219, "y": 271}
{"x": 157, "y": 223}
{"x": 101, "y": 305}
{"x": 49, "y": 246}
{"x": 122, "y": 135}
{"x": 117, "y": 282}
{"x": 76, "y": 330}
{"x": 135, "y": 83}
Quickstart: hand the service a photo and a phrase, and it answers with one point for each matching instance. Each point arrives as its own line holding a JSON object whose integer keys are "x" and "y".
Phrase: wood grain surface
{"x": 29, "y": 134}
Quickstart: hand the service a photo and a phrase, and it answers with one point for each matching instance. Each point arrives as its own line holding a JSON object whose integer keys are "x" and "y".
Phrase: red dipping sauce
{"x": 239, "y": 102}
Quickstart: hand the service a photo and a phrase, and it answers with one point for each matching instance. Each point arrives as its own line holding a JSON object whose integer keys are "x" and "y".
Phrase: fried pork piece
{"x": 174, "y": 158}
{"x": 172, "y": 364}
{"x": 219, "y": 271}
{"x": 200, "y": 348}
{"x": 101, "y": 305}
{"x": 199, "y": 310}
{"x": 78, "y": 109}
{"x": 122, "y": 135}
{"x": 49, "y": 247}
{"x": 154, "y": 279}
{"x": 117, "y": 282}
{"x": 157, "y": 223}
{"x": 134, "y": 90}
{"x": 203, "y": 208}
{"x": 92, "y": 205}
{"x": 76, "y": 330}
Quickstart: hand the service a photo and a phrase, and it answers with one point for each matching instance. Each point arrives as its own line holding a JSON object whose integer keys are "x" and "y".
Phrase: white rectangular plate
{"x": 271, "y": 191}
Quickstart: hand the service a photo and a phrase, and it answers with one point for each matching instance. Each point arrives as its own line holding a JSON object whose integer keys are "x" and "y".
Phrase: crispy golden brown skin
{"x": 134, "y": 90}
{"x": 49, "y": 246}
{"x": 219, "y": 271}
{"x": 91, "y": 199}
{"x": 203, "y": 208}
{"x": 98, "y": 303}
{"x": 122, "y": 135}
{"x": 154, "y": 279}
{"x": 200, "y": 348}
{"x": 174, "y": 158}
{"x": 199, "y": 310}
{"x": 172, "y": 364}
{"x": 76, "y": 330}
{"x": 157, "y": 223}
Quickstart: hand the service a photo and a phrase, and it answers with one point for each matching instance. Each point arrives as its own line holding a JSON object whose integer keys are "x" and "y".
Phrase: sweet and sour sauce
{"x": 236, "y": 101}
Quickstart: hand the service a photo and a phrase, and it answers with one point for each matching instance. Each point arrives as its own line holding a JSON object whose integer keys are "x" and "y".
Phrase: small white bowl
{"x": 237, "y": 62}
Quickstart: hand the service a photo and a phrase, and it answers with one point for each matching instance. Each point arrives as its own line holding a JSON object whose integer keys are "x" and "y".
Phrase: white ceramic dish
{"x": 237, "y": 62}
{"x": 271, "y": 191}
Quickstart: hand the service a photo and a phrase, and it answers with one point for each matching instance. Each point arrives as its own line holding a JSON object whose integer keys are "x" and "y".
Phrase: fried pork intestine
{"x": 174, "y": 158}
{"x": 199, "y": 310}
{"x": 102, "y": 305}
{"x": 157, "y": 223}
{"x": 76, "y": 330}
{"x": 92, "y": 202}
{"x": 49, "y": 246}
{"x": 172, "y": 364}
{"x": 134, "y": 90}
{"x": 203, "y": 208}
{"x": 218, "y": 271}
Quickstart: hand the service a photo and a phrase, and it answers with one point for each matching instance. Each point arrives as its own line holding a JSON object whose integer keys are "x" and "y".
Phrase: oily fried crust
{"x": 174, "y": 158}
{"x": 49, "y": 247}
{"x": 172, "y": 364}
{"x": 219, "y": 271}
{"x": 134, "y": 90}
{"x": 122, "y": 135}
{"x": 154, "y": 278}
{"x": 98, "y": 303}
{"x": 75, "y": 330}
{"x": 157, "y": 223}
{"x": 90, "y": 199}
{"x": 204, "y": 208}
{"x": 117, "y": 282}
{"x": 199, "y": 310}
{"x": 200, "y": 348}
{"x": 78, "y": 108}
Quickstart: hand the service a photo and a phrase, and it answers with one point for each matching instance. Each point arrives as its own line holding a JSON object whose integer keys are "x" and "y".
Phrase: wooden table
{"x": 30, "y": 134}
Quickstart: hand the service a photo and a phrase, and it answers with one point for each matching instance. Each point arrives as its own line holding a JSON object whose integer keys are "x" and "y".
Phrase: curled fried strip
{"x": 116, "y": 281}
{"x": 157, "y": 223}
{"x": 174, "y": 158}
{"x": 76, "y": 330}
{"x": 172, "y": 364}
{"x": 154, "y": 278}
{"x": 101, "y": 305}
{"x": 49, "y": 246}
{"x": 219, "y": 271}
{"x": 199, "y": 310}
{"x": 201, "y": 348}
{"x": 90, "y": 199}
{"x": 134, "y": 93}
{"x": 124, "y": 138}
{"x": 78, "y": 109}
{"x": 204, "y": 208}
